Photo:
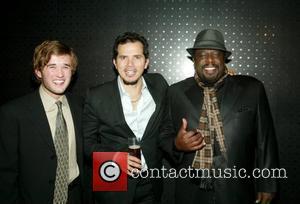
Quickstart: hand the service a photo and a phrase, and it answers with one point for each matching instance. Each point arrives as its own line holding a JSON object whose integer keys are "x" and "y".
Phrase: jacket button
{"x": 53, "y": 156}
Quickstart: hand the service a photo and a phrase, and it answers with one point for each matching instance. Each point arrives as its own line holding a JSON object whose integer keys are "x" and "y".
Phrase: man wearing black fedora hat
{"x": 219, "y": 127}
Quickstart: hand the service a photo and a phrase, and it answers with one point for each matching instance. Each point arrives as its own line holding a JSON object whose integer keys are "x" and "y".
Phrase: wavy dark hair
{"x": 130, "y": 37}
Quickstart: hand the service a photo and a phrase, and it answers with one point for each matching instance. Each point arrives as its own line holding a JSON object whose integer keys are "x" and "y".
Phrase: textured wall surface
{"x": 263, "y": 36}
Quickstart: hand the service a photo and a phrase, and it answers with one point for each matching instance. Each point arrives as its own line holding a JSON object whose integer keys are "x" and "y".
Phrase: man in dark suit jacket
{"x": 215, "y": 121}
{"x": 129, "y": 106}
{"x": 29, "y": 156}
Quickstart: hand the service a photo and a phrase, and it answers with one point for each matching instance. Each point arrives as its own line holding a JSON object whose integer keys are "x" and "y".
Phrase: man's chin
{"x": 130, "y": 82}
{"x": 210, "y": 80}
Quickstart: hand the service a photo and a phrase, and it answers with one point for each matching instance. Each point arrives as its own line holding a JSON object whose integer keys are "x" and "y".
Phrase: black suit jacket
{"x": 27, "y": 154}
{"x": 249, "y": 137}
{"x": 105, "y": 130}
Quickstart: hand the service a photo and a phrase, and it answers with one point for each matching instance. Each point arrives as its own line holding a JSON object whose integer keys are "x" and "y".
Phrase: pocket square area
{"x": 243, "y": 108}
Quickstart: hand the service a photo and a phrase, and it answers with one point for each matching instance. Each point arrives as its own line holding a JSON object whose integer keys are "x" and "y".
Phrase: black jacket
{"x": 249, "y": 138}
{"x": 27, "y": 154}
{"x": 105, "y": 130}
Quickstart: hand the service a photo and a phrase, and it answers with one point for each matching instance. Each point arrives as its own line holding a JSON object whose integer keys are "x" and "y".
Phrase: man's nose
{"x": 130, "y": 62}
{"x": 60, "y": 72}
{"x": 209, "y": 58}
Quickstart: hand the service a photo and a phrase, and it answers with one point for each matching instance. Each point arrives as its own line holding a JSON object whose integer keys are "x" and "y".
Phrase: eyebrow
{"x": 48, "y": 65}
{"x": 131, "y": 55}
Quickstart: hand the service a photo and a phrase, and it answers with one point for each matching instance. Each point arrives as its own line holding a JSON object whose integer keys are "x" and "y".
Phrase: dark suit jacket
{"x": 27, "y": 154}
{"x": 105, "y": 130}
{"x": 249, "y": 137}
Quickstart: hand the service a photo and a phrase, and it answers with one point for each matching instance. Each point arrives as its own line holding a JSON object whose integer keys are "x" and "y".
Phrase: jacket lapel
{"x": 194, "y": 102}
{"x": 39, "y": 119}
{"x": 155, "y": 93}
{"x": 116, "y": 105}
{"x": 229, "y": 95}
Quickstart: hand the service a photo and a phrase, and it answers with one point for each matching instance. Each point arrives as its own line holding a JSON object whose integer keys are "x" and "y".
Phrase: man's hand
{"x": 264, "y": 198}
{"x": 134, "y": 165}
{"x": 188, "y": 140}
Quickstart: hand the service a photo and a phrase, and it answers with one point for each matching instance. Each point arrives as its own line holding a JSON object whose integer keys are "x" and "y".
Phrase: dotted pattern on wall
{"x": 171, "y": 27}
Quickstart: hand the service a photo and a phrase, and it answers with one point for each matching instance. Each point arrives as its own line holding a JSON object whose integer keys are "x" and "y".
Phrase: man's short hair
{"x": 130, "y": 37}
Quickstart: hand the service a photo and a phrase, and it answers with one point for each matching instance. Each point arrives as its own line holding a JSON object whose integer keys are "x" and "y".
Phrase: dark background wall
{"x": 263, "y": 35}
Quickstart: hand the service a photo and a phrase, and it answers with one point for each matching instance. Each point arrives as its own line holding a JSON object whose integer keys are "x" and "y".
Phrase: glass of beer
{"x": 134, "y": 147}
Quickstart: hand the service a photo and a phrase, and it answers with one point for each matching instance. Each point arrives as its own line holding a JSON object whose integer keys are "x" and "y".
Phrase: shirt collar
{"x": 48, "y": 101}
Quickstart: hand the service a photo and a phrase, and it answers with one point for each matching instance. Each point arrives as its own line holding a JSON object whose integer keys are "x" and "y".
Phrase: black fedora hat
{"x": 209, "y": 39}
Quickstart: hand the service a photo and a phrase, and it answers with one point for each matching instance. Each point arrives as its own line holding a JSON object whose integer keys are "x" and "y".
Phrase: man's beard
{"x": 130, "y": 82}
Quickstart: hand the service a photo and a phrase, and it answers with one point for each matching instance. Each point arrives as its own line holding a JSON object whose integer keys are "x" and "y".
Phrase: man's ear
{"x": 38, "y": 73}
{"x": 147, "y": 63}
{"x": 114, "y": 62}
{"x": 191, "y": 58}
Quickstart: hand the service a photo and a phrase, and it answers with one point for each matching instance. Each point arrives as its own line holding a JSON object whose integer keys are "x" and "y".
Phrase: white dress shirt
{"x": 137, "y": 119}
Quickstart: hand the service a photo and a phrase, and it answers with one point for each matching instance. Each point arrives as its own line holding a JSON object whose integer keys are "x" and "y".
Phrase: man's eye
{"x": 200, "y": 57}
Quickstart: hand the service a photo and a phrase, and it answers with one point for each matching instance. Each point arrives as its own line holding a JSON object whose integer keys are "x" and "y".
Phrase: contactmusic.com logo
{"x": 109, "y": 171}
